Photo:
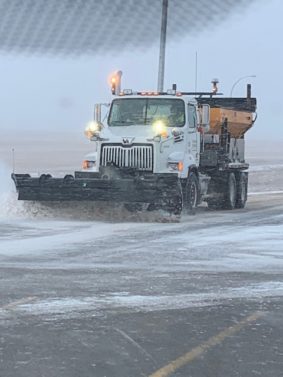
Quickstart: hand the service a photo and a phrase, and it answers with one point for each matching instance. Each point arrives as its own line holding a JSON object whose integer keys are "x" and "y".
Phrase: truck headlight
{"x": 92, "y": 129}
{"x": 160, "y": 128}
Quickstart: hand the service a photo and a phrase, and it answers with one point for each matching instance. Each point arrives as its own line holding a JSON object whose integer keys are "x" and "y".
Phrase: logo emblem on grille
{"x": 127, "y": 140}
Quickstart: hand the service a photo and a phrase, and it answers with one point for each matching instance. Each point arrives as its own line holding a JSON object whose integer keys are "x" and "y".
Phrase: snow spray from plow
{"x": 9, "y": 207}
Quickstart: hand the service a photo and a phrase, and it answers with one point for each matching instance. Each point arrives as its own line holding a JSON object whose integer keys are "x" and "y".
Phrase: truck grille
{"x": 139, "y": 157}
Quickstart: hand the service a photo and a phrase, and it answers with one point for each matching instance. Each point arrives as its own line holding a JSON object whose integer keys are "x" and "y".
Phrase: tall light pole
{"x": 161, "y": 68}
{"x": 239, "y": 79}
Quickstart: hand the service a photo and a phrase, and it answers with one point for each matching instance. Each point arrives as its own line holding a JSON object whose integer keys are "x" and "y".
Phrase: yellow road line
{"x": 188, "y": 357}
{"x": 14, "y": 304}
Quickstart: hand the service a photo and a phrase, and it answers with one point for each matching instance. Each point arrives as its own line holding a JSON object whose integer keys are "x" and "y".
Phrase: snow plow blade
{"x": 161, "y": 190}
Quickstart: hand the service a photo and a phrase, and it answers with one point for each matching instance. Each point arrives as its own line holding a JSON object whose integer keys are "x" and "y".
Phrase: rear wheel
{"x": 242, "y": 190}
{"x": 231, "y": 192}
{"x": 191, "y": 194}
{"x": 226, "y": 189}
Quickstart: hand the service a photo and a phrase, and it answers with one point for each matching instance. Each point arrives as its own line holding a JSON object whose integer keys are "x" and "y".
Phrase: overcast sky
{"x": 58, "y": 93}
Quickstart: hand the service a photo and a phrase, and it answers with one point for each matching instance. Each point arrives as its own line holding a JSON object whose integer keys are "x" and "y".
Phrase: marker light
{"x": 88, "y": 164}
{"x": 127, "y": 92}
{"x": 85, "y": 164}
{"x": 113, "y": 85}
{"x": 214, "y": 85}
{"x": 92, "y": 129}
{"x": 171, "y": 92}
{"x": 176, "y": 166}
{"x": 160, "y": 128}
{"x": 114, "y": 80}
{"x": 143, "y": 93}
{"x": 180, "y": 166}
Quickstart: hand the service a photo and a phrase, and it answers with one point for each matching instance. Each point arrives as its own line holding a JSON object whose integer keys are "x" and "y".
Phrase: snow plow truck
{"x": 159, "y": 150}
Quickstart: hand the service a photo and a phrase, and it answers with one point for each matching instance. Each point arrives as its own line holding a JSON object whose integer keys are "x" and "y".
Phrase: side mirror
{"x": 97, "y": 113}
{"x": 205, "y": 115}
{"x": 100, "y": 111}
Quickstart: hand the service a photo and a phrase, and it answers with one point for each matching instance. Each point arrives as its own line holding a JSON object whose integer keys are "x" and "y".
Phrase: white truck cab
{"x": 167, "y": 150}
{"x": 153, "y": 133}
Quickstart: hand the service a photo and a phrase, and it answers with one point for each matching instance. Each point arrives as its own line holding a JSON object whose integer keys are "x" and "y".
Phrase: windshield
{"x": 145, "y": 111}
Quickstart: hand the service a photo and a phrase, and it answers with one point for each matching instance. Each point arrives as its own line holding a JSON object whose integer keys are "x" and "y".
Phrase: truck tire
{"x": 226, "y": 187}
{"x": 242, "y": 190}
{"x": 230, "y": 192}
{"x": 191, "y": 194}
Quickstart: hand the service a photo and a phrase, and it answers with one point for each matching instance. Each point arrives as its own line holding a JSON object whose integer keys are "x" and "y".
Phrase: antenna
{"x": 196, "y": 71}
{"x": 13, "y": 160}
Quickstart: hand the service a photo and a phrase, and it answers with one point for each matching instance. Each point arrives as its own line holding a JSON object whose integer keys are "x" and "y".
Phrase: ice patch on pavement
{"x": 52, "y": 236}
{"x": 68, "y": 305}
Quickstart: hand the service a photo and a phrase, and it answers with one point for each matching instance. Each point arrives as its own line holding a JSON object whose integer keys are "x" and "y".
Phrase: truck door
{"x": 193, "y": 135}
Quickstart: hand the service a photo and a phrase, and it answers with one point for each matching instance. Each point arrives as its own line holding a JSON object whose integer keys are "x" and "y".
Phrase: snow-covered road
{"x": 97, "y": 291}
{"x": 153, "y": 257}
{"x": 123, "y": 291}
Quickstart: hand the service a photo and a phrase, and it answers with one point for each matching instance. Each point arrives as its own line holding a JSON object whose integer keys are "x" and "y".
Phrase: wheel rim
{"x": 243, "y": 194}
{"x": 232, "y": 192}
{"x": 193, "y": 195}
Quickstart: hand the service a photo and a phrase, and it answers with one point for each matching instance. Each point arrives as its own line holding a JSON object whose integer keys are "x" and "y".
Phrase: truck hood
{"x": 130, "y": 131}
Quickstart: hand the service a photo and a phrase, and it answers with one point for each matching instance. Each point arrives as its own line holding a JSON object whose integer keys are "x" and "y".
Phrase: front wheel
{"x": 191, "y": 194}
